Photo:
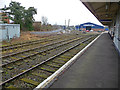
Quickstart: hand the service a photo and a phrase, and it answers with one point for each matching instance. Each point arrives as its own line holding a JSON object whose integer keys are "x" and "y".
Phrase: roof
{"x": 105, "y": 12}
{"x": 90, "y": 24}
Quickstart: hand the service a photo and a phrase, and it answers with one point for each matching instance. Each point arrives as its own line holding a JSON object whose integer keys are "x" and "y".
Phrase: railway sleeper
{"x": 18, "y": 63}
{"x": 44, "y": 54}
{"x": 30, "y": 81}
{"x": 65, "y": 56}
{"x": 63, "y": 59}
{"x": 58, "y": 61}
{"x": 10, "y": 67}
{"x": 26, "y": 61}
{"x": 42, "y": 75}
{"x": 53, "y": 65}
{"x": 48, "y": 69}
{"x": 14, "y": 58}
{"x": 41, "y": 72}
{"x": 23, "y": 56}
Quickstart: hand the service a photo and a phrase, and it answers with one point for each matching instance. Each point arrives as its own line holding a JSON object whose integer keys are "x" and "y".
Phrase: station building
{"x": 4, "y": 17}
{"x": 89, "y": 26}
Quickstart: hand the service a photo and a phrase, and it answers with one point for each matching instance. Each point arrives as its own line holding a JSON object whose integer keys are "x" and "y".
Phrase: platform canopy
{"x": 104, "y": 10}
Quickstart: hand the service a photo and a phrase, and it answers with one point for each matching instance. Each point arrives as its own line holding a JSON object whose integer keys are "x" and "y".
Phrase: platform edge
{"x": 47, "y": 82}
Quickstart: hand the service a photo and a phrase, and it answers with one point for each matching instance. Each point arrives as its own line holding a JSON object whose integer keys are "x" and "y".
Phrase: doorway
{"x": 88, "y": 28}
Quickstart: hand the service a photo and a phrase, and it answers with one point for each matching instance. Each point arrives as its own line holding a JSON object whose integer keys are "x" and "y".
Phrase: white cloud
{"x": 58, "y": 10}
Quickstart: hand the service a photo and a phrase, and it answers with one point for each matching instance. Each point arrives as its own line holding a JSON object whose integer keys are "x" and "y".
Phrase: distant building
{"x": 37, "y": 25}
{"x": 4, "y": 18}
{"x": 9, "y": 31}
{"x": 77, "y": 27}
{"x": 106, "y": 28}
{"x": 89, "y": 26}
{"x": 63, "y": 27}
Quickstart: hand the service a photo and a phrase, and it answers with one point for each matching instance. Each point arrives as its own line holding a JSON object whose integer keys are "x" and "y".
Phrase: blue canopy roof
{"x": 84, "y": 25}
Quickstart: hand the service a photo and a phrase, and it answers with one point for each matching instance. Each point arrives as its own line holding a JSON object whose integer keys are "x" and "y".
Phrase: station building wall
{"x": 116, "y": 30}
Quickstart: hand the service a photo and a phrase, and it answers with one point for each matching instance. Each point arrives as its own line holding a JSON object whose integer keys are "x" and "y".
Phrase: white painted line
{"x": 52, "y": 78}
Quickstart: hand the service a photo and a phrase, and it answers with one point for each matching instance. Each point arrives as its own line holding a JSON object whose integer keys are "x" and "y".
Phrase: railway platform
{"x": 96, "y": 68}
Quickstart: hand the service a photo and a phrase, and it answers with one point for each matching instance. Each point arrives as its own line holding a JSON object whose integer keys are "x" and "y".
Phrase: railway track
{"x": 23, "y": 62}
{"x": 36, "y": 47}
{"x": 15, "y": 44}
{"x": 13, "y": 48}
{"x": 32, "y": 76}
{"x": 31, "y": 52}
{"x": 29, "y": 45}
{"x": 18, "y": 44}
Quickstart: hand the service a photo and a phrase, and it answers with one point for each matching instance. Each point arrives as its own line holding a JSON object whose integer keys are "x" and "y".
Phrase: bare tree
{"x": 44, "y": 20}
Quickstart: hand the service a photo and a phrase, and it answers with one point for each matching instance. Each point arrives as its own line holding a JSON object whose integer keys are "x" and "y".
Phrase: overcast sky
{"x": 57, "y": 11}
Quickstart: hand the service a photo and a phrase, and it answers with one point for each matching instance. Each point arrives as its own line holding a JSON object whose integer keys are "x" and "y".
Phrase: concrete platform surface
{"x": 96, "y": 68}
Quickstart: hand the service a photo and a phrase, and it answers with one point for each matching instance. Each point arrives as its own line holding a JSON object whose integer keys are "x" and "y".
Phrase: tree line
{"x": 19, "y": 15}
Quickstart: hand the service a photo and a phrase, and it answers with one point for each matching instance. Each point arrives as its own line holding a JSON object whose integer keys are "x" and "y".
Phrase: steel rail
{"x": 34, "y": 41}
{"x": 18, "y": 46}
{"x": 22, "y": 43}
{"x": 39, "y": 52}
{"x": 44, "y": 62}
{"x": 34, "y": 48}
